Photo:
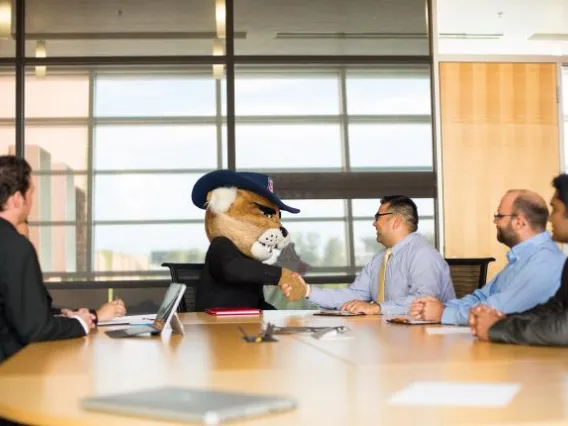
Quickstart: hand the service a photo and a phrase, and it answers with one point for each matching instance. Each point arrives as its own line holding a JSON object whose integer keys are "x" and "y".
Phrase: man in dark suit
{"x": 25, "y": 306}
{"x": 545, "y": 324}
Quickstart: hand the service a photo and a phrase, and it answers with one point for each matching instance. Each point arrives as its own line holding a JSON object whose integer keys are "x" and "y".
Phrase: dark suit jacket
{"x": 231, "y": 279}
{"x": 25, "y": 306}
{"x": 545, "y": 324}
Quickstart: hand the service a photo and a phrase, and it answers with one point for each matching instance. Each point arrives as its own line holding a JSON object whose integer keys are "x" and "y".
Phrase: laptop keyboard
{"x": 131, "y": 331}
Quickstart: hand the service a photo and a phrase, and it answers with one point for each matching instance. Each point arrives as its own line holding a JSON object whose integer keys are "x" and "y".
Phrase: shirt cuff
{"x": 83, "y": 324}
{"x": 449, "y": 315}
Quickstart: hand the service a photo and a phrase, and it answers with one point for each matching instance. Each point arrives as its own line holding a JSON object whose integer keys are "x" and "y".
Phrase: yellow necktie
{"x": 382, "y": 276}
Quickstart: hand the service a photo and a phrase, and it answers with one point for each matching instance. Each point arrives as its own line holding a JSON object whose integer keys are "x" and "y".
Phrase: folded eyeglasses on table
{"x": 267, "y": 335}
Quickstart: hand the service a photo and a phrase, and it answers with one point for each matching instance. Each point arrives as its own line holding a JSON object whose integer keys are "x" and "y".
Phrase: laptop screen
{"x": 169, "y": 304}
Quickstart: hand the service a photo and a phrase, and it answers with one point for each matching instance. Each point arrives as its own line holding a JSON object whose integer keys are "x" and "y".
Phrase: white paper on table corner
{"x": 456, "y": 394}
{"x": 448, "y": 330}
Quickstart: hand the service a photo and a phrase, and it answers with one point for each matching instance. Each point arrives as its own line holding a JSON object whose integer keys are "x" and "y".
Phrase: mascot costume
{"x": 242, "y": 222}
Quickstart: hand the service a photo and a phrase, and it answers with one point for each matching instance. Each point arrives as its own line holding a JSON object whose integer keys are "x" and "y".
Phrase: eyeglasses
{"x": 377, "y": 215}
{"x": 497, "y": 216}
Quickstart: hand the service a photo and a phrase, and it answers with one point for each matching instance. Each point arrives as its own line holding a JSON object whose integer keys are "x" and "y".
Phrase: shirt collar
{"x": 402, "y": 243}
{"x": 527, "y": 246}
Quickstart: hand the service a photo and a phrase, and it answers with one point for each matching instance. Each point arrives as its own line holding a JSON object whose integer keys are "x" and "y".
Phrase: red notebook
{"x": 233, "y": 311}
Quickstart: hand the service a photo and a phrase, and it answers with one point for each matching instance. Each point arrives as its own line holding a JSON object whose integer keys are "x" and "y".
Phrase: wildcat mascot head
{"x": 242, "y": 213}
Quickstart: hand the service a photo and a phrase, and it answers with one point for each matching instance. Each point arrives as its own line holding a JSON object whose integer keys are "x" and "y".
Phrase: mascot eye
{"x": 268, "y": 212}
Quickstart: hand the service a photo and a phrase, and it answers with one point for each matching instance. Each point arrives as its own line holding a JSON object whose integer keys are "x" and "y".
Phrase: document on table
{"x": 129, "y": 319}
{"x": 456, "y": 394}
{"x": 448, "y": 330}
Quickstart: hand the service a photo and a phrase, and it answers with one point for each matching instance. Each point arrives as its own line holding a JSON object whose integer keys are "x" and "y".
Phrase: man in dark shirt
{"x": 545, "y": 324}
{"x": 25, "y": 306}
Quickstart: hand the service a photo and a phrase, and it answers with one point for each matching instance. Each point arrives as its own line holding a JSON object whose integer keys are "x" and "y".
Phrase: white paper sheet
{"x": 448, "y": 330}
{"x": 129, "y": 319}
{"x": 457, "y": 394}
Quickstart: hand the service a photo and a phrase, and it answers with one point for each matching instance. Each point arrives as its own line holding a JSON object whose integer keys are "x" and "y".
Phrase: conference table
{"x": 348, "y": 379}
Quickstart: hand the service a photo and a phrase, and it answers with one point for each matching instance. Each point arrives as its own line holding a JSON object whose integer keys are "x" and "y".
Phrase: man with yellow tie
{"x": 409, "y": 267}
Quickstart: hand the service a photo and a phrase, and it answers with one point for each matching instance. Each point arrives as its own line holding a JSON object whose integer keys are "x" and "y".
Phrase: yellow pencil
{"x": 110, "y": 295}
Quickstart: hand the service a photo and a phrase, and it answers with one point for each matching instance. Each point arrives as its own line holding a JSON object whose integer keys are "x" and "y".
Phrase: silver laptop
{"x": 193, "y": 405}
{"x": 166, "y": 315}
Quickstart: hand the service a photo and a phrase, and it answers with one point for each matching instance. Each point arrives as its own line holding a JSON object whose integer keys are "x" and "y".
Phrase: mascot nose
{"x": 284, "y": 231}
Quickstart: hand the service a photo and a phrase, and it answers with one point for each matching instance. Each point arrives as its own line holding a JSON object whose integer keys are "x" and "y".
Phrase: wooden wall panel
{"x": 499, "y": 125}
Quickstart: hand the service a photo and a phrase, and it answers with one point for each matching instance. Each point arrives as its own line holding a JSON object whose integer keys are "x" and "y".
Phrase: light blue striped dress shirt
{"x": 531, "y": 277}
{"x": 414, "y": 269}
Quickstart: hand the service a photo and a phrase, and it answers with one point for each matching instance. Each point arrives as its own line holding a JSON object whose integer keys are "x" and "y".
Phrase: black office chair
{"x": 468, "y": 274}
{"x": 188, "y": 274}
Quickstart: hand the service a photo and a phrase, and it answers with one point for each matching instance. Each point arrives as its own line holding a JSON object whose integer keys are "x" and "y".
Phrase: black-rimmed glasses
{"x": 377, "y": 215}
{"x": 501, "y": 216}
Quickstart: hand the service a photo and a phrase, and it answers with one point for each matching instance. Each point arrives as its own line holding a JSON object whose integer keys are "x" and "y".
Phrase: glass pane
{"x": 61, "y": 148}
{"x": 144, "y": 247}
{"x": 285, "y": 95}
{"x": 61, "y": 96}
{"x": 155, "y": 96}
{"x": 314, "y": 208}
{"x": 134, "y": 197}
{"x": 368, "y": 208}
{"x": 319, "y": 243}
{"x": 127, "y": 27}
{"x": 284, "y": 147}
{"x": 57, "y": 95}
{"x": 355, "y": 27}
{"x": 59, "y": 197}
{"x": 60, "y": 248}
{"x": 390, "y": 146}
{"x": 178, "y": 146}
{"x": 389, "y": 91}
{"x": 8, "y": 94}
{"x": 7, "y": 137}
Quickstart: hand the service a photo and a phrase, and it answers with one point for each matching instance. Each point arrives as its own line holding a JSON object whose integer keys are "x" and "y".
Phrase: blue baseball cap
{"x": 258, "y": 183}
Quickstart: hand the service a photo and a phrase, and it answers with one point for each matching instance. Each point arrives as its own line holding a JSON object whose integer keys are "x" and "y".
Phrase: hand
{"x": 358, "y": 306}
{"x": 431, "y": 309}
{"x": 111, "y": 310}
{"x": 482, "y": 319}
{"x": 67, "y": 313}
{"x": 86, "y": 316}
{"x": 475, "y": 311}
{"x": 416, "y": 309}
{"x": 292, "y": 285}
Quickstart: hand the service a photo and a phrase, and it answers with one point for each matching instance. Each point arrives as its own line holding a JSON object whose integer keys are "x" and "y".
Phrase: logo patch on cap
{"x": 270, "y": 185}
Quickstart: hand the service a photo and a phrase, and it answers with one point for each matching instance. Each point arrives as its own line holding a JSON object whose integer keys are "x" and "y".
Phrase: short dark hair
{"x": 405, "y": 207}
{"x": 15, "y": 176}
{"x": 534, "y": 210}
{"x": 560, "y": 183}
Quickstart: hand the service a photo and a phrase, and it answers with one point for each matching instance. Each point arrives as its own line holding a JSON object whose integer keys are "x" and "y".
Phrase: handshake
{"x": 292, "y": 285}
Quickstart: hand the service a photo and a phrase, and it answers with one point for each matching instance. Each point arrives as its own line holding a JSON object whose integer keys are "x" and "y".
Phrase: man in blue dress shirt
{"x": 531, "y": 276}
{"x": 409, "y": 268}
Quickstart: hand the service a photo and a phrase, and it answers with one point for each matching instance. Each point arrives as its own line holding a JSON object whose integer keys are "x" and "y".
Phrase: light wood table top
{"x": 336, "y": 382}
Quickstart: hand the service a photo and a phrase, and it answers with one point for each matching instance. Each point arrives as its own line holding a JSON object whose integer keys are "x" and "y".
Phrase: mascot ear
{"x": 220, "y": 199}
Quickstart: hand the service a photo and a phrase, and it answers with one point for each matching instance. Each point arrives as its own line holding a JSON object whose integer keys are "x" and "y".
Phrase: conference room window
{"x": 564, "y": 85}
{"x": 7, "y": 108}
{"x": 155, "y": 134}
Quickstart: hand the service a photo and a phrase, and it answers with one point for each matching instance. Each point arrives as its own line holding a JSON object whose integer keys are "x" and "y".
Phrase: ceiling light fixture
{"x": 41, "y": 52}
{"x": 218, "y": 50}
{"x": 5, "y": 19}
{"x": 220, "y": 18}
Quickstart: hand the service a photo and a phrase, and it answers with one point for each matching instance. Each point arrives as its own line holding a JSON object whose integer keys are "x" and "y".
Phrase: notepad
{"x": 456, "y": 394}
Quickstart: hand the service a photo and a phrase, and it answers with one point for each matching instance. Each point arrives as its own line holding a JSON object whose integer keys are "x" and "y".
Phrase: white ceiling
{"x": 186, "y": 27}
{"x": 503, "y": 27}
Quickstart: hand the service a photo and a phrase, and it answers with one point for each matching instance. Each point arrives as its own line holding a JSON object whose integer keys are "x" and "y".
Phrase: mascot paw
{"x": 293, "y": 285}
